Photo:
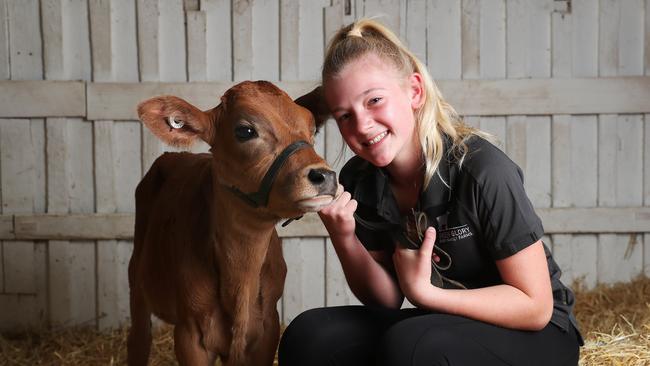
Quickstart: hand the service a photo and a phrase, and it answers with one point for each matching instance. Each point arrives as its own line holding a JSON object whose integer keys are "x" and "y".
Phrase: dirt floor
{"x": 615, "y": 321}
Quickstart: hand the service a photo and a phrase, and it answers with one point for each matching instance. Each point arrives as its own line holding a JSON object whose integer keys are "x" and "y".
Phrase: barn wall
{"x": 562, "y": 84}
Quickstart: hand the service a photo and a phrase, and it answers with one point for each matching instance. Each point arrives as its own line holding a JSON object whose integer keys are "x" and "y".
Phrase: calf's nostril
{"x": 316, "y": 176}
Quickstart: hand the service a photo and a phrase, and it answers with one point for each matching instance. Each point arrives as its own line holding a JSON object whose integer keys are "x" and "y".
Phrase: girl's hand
{"x": 338, "y": 216}
{"x": 413, "y": 267}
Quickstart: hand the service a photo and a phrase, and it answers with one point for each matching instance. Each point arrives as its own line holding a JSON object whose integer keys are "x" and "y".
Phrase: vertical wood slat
{"x": 575, "y": 50}
{"x": 619, "y": 256}
{"x": 171, "y": 41}
{"x": 492, "y": 58}
{"x": 21, "y": 176}
{"x": 219, "y": 41}
{"x": 255, "y": 55}
{"x": 196, "y": 46}
{"x": 528, "y": 55}
{"x": 444, "y": 39}
{"x": 305, "y": 276}
{"x": 118, "y": 145}
{"x": 71, "y": 275}
{"x": 5, "y": 72}
{"x": 646, "y": 139}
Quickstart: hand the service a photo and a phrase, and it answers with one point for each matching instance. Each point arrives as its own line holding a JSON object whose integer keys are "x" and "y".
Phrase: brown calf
{"x": 207, "y": 257}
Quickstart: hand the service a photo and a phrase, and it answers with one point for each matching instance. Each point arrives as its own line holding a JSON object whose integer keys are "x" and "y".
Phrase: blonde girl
{"x": 434, "y": 213}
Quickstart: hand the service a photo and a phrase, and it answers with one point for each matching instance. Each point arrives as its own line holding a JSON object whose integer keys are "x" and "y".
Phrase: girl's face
{"x": 374, "y": 108}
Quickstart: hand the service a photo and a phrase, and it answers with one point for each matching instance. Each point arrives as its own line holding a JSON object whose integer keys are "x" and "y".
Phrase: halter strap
{"x": 261, "y": 197}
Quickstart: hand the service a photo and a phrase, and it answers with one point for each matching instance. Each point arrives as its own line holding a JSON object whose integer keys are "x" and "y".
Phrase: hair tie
{"x": 355, "y": 32}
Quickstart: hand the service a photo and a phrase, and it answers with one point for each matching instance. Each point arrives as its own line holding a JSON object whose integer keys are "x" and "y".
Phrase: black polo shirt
{"x": 481, "y": 210}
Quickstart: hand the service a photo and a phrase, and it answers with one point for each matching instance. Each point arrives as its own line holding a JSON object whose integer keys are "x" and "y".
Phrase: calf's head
{"x": 261, "y": 144}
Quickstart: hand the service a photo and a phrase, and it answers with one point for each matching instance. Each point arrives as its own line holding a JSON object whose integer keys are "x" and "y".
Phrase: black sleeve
{"x": 507, "y": 216}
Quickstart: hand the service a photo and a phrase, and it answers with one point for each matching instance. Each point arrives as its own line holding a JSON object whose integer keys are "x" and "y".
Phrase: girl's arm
{"x": 365, "y": 271}
{"x": 524, "y": 301}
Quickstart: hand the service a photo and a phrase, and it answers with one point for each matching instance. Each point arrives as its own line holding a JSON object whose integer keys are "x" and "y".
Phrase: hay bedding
{"x": 615, "y": 321}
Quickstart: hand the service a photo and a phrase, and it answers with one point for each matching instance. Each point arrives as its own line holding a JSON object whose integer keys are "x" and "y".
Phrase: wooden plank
{"x": 646, "y": 170}
{"x": 42, "y": 99}
{"x": 569, "y": 220}
{"x": 416, "y": 28}
{"x": 112, "y": 282}
{"x": 25, "y": 39}
{"x": 492, "y": 38}
{"x": 5, "y": 72}
{"x": 73, "y": 280}
{"x": 101, "y": 39}
{"x": 80, "y": 180}
{"x": 265, "y": 20}
{"x": 37, "y": 137}
{"x": 74, "y": 226}
{"x": 444, "y": 33}
{"x": 337, "y": 291}
{"x": 124, "y": 46}
{"x": 19, "y": 267}
{"x": 562, "y": 46}
{"x": 28, "y": 311}
{"x": 470, "y": 34}
{"x": 386, "y": 11}
{"x": 620, "y": 258}
{"x": 577, "y": 258}
{"x": 17, "y": 164}
{"x": 148, "y": 24}
{"x": 103, "y": 161}
{"x": 528, "y": 55}
{"x": 171, "y": 41}
{"x": 242, "y": 33}
{"x": 492, "y": 60}
{"x": 218, "y": 37}
{"x": 630, "y": 38}
{"x": 470, "y": 97}
{"x": 584, "y": 36}
{"x": 6, "y": 229}
{"x": 304, "y": 286}
{"x": 196, "y": 46}
{"x": 51, "y": 15}
{"x": 126, "y": 153}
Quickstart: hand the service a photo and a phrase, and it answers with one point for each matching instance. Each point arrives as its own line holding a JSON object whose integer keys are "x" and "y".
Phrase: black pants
{"x": 359, "y": 335}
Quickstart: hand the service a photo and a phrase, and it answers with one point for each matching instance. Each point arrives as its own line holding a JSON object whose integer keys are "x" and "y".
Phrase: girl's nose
{"x": 363, "y": 121}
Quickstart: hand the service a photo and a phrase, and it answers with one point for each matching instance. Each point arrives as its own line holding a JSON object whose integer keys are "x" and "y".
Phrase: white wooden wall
{"x": 563, "y": 84}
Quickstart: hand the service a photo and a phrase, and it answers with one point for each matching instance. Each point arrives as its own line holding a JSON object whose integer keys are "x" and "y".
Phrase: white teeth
{"x": 378, "y": 138}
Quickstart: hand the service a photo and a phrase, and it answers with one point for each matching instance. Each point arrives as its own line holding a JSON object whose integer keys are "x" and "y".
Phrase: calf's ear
{"x": 175, "y": 121}
{"x": 314, "y": 101}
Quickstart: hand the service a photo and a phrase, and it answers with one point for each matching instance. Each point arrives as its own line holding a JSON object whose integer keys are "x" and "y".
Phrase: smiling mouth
{"x": 376, "y": 139}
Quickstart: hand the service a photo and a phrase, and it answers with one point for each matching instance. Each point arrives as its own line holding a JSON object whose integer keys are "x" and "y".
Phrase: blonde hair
{"x": 434, "y": 116}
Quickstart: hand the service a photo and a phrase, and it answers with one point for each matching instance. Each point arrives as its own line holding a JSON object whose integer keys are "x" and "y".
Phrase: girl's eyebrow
{"x": 362, "y": 94}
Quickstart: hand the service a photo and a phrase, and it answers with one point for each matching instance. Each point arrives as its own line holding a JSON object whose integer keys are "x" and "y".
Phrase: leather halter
{"x": 261, "y": 197}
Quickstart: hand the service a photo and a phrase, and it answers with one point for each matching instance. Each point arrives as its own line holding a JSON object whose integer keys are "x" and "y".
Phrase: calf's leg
{"x": 139, "y": 341}
{"x": 189, "y": 347}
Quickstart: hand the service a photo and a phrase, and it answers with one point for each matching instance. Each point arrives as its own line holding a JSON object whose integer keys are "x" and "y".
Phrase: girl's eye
{"x": 344, "y": 117}
{"x": 245, "y": 133}
{"x": 374, "y": 100}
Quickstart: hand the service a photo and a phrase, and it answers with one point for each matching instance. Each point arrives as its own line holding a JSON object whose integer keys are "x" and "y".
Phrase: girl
{"x": 432, "y": 212}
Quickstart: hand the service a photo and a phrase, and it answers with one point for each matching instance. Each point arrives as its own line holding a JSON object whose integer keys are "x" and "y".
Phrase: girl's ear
{"x": 175, "y": 121}
{"x": 314, "y": 101}
{"x": 416, "y": 89}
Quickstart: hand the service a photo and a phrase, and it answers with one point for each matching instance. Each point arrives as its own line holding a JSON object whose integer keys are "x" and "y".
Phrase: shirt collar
{"x": 373, "y": 190}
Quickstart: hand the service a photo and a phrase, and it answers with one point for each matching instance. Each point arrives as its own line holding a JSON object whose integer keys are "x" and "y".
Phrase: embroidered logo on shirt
{"x": 450, "y": 234}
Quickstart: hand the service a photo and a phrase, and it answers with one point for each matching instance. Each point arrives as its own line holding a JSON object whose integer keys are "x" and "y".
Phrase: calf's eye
{"x": 245, "y": 133}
